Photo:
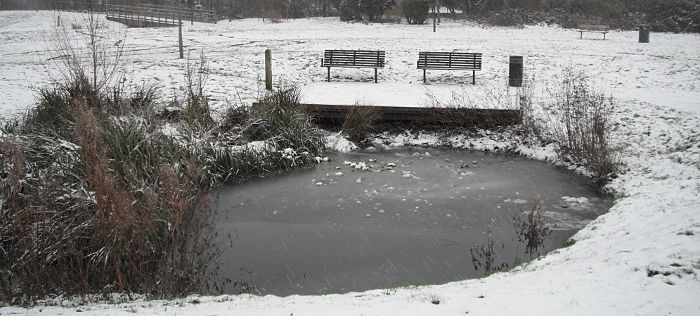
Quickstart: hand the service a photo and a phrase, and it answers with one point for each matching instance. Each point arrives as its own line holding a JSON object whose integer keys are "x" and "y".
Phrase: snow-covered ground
{"x": 641, "y": 258}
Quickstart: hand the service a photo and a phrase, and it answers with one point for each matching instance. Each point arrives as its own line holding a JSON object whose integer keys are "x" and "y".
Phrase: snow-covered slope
{"x": 641, "y": 258}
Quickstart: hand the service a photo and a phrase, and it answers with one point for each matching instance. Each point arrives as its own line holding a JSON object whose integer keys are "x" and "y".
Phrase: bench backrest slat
{"x": 449, "y": 60}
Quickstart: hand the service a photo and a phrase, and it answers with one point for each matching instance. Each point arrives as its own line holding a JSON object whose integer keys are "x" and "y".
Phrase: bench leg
{"x": 424, "y": 78}
{"x": 375, "y": 75}
{"x": 581, "y": 35}
{"x": 329, "y": 74}
{"x": 473, "y": 77}
{"x": 603, "y": 36}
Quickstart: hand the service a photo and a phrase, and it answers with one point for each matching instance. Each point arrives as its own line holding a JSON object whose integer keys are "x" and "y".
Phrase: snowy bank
{"x": 641, "y": 258}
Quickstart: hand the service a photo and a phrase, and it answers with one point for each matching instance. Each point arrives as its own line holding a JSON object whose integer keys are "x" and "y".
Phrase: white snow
{"x": 641, "y": 258}
{"x": 406, "y": 94}
{"x": 338, "y": 143}
{"x": 576, "y": 203}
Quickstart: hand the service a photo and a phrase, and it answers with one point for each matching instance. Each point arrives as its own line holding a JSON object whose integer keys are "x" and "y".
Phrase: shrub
{"x": 532, "y": 229}
{"x": 673, "y": 15}
{"x": 484, "y": 255}
{"x": 506, "y": 17}
{"x": 529, "y": 117}
{"x": 372, "y": 10}
{"x": 582, "y": 125}
{"x": 99, "y": 194}
{"x": 51, "y": 114}
{"x": 137, "y": 150}
{"x": 92, "y": 56}
{"x": 415, "y": 11}
{"x": 72, "y": 225}
{"x": 279, "y": 118}
{"x": 349, "y": 10}
{"x": 299, "y": 8}
{"x": 94, "y": 201}
{"x": 359, "y": 121}
{"x": 273, "y": 16}
{"x": 196, "y": 109}
{"x": 469, "y": 108}
{"x": 234, "y": 117}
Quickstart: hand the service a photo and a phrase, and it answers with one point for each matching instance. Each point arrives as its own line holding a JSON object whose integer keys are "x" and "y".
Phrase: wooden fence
{"x": 156, "y": 16}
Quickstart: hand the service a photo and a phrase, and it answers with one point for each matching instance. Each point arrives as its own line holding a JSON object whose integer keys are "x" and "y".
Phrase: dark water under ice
{"x": 409, "y": 218}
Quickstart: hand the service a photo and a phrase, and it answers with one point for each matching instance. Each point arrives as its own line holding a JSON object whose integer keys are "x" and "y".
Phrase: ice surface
{"x": 333, "y": 231}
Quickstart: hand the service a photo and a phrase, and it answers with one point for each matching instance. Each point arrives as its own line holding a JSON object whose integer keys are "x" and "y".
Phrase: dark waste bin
{"x": 515, "y": 73}
{"x": 644, "y": 34}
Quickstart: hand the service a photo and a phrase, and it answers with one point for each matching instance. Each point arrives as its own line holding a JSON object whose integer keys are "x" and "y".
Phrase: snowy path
{"x": 641, "y": 258}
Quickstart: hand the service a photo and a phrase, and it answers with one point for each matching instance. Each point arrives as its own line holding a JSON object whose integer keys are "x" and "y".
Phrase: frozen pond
{"x": 369, "y": 220}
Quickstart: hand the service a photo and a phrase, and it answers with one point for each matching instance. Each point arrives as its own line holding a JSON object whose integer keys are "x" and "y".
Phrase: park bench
{"x": 596, "y": 28}
{"x": 449, "y": 61}
{"x": 353, "y": 59}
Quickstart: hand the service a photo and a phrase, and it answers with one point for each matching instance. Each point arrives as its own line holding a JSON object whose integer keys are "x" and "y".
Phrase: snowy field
{"x": 641, "y": 258}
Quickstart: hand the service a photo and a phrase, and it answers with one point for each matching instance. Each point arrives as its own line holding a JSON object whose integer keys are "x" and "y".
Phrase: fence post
{"x": 268, "y": 69}
{"x": 179, "y": 28}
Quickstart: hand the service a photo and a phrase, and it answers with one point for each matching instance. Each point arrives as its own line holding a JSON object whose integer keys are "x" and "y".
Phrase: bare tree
{"x": 88, "y": 53}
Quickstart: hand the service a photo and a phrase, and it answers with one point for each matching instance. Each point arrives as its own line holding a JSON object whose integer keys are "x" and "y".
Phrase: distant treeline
{"x": 661, "y": 15}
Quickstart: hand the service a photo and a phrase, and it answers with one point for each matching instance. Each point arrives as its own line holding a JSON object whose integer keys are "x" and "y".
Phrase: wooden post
{"x": 179, "y": 28}
{"x": 435, "y": 16}
{"x": 268, "y": 69}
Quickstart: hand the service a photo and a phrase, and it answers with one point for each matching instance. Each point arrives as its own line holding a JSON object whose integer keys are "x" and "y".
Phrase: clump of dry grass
{"x": 279, "y": 119}
{"x": 359, "y": 122}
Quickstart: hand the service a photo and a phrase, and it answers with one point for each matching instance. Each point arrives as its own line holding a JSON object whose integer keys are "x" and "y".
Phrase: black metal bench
{"x": 449, "y": 61}
{"x": 597, "y": 28}
{"x": 353, "y": 59}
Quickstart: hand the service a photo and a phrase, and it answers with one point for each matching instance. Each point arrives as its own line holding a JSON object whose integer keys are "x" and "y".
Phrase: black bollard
{"x": 515, "y": 73}
{"x": 644, "y": 34}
